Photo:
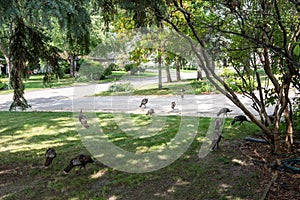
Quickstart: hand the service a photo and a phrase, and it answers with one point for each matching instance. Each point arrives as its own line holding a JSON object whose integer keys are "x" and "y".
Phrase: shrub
{"x": 3, "y": 86}
{"x": 92, "y": 70}
{"x": 120, "y": 87}
{"x": 202, "y": 86}
{"x": 236, "y": 83}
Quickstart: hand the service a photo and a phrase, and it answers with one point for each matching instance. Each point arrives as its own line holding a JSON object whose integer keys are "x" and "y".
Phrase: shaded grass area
{"x": 26, "y": 136}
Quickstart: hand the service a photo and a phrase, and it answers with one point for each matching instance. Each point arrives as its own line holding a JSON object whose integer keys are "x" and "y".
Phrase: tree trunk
{"x": 6, "y": 56}
{"x": 178, "y": 70}
{"x": 159, "y": 69}
{"x": 71, "y": 59}
{"x": 19, "y": 58}
{"x": 276, "y": 141}
{"x": 18, "y": 86}
{"x": 289, "y": 128}
{"x": 169, "y": 79}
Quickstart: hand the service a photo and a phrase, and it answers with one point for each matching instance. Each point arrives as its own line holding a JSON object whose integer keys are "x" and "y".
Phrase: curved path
{"x": 77, "y": 97}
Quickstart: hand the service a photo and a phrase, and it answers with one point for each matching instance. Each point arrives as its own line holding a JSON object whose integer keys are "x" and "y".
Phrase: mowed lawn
{"x": 25, "y": 136}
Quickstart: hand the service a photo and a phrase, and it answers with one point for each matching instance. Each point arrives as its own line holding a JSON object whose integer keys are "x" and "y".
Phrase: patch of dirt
{"x": 278, "y": 184}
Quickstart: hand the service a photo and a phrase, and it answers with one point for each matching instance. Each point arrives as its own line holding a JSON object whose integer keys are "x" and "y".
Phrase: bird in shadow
{"x": 83, "y": 120}
{"x": 81, "y": 160}
{"x": 50, "y": 155}
{"x": 239, "y": 118}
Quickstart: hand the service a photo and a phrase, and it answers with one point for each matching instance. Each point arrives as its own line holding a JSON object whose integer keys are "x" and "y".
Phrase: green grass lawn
{"x": 35, "y": 82}
{"x": 191, "y": 86}
{"x": 25, "y": 136}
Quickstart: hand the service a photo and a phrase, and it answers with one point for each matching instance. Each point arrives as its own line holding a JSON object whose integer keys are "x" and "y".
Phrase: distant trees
{"x": 26, "y": 30}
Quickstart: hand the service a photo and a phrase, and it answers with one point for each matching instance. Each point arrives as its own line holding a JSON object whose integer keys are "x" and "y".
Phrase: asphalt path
{"x": 78, "y": 97}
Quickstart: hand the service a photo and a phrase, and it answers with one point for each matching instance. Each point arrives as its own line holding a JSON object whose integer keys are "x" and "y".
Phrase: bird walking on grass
{"x": 83, "y": 120}
{"x": 144, "y": 102}
{"x": 80, "y": 160}
{"x": 50, "y": 155}
{"x": 239, "y": 118}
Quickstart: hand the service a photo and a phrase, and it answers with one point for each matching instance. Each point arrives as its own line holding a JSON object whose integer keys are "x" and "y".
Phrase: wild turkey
{"x": 83, "y": 120}
{"x": 173, "y": 104}
{"x": 144, "y": 102}
{"x": 182, "y": 90}
{"x": 80, "y": 160}
{"x": 150, "y": 111}
{"x": 224, "y": 111}
{"x": 50, "y": 155}
{"x": 215, "y": 142}
{"x": 239, "y": 118}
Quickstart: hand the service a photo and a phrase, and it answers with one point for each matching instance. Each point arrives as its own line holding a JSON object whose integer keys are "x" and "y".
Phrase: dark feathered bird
{"x": 50, "y": 155}
{"x": 150, "y": 111}
{"x": 173, "y": 104}
{"x": 215, "y": 142}
{"x": 83, "y": 120}
{"x": 144, "y": 102}
{"x": 224, "y": 111}
{"x": 80, "y": 160}
{"x": 239, "y": 118}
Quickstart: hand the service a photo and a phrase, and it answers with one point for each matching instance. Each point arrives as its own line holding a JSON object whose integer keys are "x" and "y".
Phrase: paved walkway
{"x": 77, "y": 97}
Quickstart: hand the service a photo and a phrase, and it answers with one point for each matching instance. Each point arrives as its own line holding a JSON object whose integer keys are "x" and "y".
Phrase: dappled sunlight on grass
{"x": 26, "y": 135}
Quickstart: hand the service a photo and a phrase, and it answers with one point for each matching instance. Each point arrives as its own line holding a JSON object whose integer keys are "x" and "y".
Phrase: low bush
{"x": 120, "y": 87}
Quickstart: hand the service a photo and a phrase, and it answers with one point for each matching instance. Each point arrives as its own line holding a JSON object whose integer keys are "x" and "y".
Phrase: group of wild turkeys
{"x": 151, "y": 110}
{"x": 81, "y": 160}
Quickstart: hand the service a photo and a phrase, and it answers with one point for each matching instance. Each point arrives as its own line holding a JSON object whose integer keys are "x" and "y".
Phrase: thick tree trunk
{"x": 71, "y": 59}
{"x": 169, "y": 79}
{"x": 17, "y": 83}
